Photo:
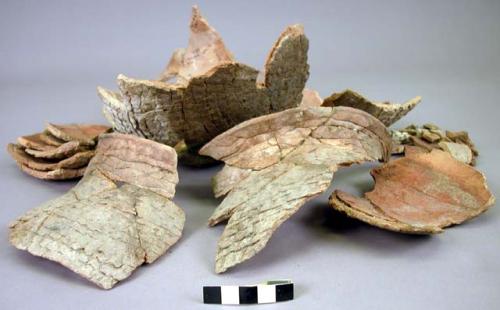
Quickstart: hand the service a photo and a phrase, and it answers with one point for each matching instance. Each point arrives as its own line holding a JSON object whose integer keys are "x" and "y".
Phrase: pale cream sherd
{"x": 204, "y": 91}
{"x": 277, "y": 162}
{"x": 118, "y": 217}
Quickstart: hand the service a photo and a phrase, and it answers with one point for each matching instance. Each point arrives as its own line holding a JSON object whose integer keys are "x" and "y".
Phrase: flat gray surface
{"x": 54, "y": 53}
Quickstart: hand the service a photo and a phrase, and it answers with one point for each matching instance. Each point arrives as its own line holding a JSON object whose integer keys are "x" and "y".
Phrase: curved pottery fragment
{"x": 38, "y": 141}
{"x": 277, "y": 162}
{"x": 63, "y": 151}
{"x": 421, "y": 193}
{"x": 78, "y": 160}
{"x": 84, "y": 134}
{"x": 204, "y": 91}
{"x": 388, "y": 113}
{"x": 54, "y": 174}
{"x": 119, "y": 216}
{"x": 60, "y": 152}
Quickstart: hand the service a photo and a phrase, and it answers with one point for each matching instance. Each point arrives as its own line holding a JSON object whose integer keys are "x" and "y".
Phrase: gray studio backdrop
{"x": 54, "y": 53}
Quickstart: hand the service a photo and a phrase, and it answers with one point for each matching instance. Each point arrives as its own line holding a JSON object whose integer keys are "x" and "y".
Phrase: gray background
{"x": 54, "y": 53}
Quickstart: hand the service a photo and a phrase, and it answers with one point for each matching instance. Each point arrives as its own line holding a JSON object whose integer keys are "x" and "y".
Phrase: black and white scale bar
{"x": 268, "y": 292}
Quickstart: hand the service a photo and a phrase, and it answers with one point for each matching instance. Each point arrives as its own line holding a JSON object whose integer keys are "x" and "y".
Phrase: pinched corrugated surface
{"x": 387, "y": 112}
{"x": 119, "y": 216}
{"x": 261, "y": 203}
{"x": 224, "y": 181}
{"x": 204, "y": 103}
{"x": 275, "y": 163}
{"x": 420, "y": 193}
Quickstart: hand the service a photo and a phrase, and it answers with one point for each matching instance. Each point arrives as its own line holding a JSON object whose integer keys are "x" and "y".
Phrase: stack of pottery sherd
{"x": 60, "y": 152}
